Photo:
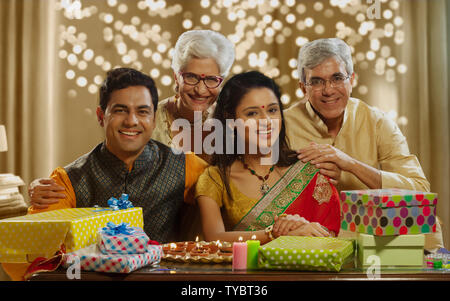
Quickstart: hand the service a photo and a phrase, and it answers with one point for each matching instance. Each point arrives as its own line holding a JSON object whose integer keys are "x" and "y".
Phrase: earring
{"x": 177, "y": 93}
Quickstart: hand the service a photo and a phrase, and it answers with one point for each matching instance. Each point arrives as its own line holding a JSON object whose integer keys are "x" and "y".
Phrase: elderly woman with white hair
{"x": 201, "y": 61}
{"x": 331, "y": 129}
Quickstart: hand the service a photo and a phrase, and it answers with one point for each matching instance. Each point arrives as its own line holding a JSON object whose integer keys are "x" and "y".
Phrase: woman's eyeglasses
{"x": 193, "y": 79}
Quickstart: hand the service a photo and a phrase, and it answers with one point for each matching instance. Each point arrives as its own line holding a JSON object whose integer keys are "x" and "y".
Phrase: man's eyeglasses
{"x": 317, "y": 83}
{"x": 193, "y": 79}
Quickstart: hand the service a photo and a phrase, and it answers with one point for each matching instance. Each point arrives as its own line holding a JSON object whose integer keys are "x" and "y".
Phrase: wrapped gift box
{"x": 123, "y": 243}
{"x": 400, "y": 250}
{"x": 388, "y": 211}
{"x": 92, "y": 259}
{"x": 305, "y": 253}
{"x": 24, "y": 238}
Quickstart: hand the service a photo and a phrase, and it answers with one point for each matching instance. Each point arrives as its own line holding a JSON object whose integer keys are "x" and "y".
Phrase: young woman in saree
{"x": 238, "y": 196}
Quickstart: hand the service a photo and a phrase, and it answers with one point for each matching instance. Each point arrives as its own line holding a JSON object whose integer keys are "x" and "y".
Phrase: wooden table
{"x": 217, "y": 282}
{"x": 171, "y": 271}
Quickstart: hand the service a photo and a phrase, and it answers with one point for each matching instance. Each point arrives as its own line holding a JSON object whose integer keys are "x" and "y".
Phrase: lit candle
{"x": 239, "y": 255}
{"x": 252, "y": 253}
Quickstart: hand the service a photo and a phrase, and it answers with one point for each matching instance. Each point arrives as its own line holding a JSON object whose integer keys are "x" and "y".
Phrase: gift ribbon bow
{"x": 117, "y": 204}
{"x": 122, "y": 228}
{"x": 121, "y": 203}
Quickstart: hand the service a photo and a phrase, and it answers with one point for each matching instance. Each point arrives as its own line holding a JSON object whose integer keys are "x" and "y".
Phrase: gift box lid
{"x": 307, "y": 243}
{"x": 305, "y": 253}
{"x": 42, "y": 234}
{"x": 388, "y": 197}
{"x": 411, "y": 240}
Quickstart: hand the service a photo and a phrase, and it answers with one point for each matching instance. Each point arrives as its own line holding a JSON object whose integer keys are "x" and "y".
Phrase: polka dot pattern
{"x": 43, "y": 233}
{"x": 388, "y": 211}
{"x": 305, "y": 253}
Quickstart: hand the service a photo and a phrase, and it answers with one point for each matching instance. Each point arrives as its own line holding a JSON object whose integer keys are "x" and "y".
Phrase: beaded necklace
{"x": 264, "y": 188}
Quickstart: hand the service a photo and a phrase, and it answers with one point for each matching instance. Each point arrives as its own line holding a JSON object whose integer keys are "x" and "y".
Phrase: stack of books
{"x": 12, "y": 202}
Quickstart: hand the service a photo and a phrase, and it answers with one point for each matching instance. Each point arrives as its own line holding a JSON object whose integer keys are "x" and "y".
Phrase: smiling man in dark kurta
{"x": 128, "y": 161}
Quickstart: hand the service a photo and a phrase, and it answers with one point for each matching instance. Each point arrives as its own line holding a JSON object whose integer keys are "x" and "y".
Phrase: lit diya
{"x": 212, "y": 246}
{"x": 181, "y": 244}
{"x": 191, "y": 244}
{"x": 225, "y": 250}
{"x": 175, "y": 250}
{"x": 199, "y": 251}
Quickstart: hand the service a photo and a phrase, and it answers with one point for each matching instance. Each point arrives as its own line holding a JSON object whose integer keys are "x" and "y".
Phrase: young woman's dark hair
{"x": 121, "y": 78}
{"x": 229, "y": 98}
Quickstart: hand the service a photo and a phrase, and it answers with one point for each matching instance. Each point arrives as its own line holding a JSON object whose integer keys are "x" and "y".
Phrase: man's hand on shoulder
{"x": 328, "y": 159}
{"x": 44, "y": 192}
{"x": 322, "y": 155}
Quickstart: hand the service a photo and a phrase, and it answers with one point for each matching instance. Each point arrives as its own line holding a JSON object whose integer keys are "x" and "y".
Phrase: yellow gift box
{"x": 24, "y": 238}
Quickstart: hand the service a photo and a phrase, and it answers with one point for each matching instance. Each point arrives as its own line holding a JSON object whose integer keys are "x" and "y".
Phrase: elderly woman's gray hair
{"x": 203, "y": 44}
{"x": 315, "y": 52}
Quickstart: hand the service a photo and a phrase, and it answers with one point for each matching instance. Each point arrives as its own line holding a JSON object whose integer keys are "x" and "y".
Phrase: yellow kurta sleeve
{"x": 399, "y": 168}
{"x": 194, "y": 167}
{"x": 61, "y": 178}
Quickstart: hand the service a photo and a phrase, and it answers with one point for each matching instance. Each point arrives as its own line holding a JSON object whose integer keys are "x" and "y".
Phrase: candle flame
{"x": 219, "y": 245}
{"x": 196, "y": 239}
{"x": 173, "y": 246}
{"x": 240, "y": 239}
{"x": 253, "y": 237}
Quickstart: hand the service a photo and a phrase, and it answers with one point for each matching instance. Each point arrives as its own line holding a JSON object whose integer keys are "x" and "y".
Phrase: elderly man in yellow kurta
{"x": 333, "y": 130}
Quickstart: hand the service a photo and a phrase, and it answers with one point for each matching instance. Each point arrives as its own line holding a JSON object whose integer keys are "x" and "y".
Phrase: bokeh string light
{"x": 95, "y": 36}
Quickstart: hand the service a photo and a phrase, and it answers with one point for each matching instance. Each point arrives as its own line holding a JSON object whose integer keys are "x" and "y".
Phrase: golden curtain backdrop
{"x": 55, "y": 53}
{"x": 424, "y": 95}
{"x": 27, "y": 86}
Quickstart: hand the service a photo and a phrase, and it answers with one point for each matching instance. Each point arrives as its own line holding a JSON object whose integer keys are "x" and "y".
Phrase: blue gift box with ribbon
{"x": 122, "y": 239}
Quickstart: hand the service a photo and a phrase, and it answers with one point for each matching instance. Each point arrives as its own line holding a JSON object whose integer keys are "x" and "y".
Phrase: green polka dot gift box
{"x": 305, "y": 253}
{"x": 384, "y": 212}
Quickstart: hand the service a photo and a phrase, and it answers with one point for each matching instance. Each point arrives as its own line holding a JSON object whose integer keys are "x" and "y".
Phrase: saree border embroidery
{"x": 322, "y": 192}
{"x": 279, "y": 197}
